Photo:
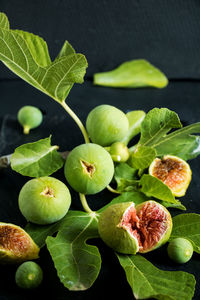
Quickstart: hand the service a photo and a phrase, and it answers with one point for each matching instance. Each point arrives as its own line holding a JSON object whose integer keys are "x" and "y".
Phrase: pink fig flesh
{"x": 148, "y": 225}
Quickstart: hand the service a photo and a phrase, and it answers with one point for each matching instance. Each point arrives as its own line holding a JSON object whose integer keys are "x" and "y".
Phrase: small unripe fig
{"x": 129, "y": 229}
{"x": 44, "y": 200}
{"x": 106, "y": 124}
{"x": 29, "y": 275}
{"x": 119, "y": 152}
{"x": 180, "y": 250}
{"x": 29, "y": 117}
{"x": 89, "y": 168}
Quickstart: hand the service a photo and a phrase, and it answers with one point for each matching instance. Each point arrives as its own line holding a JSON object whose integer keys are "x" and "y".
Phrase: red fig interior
{"x": 13, "y": 239}
{"x": 148, "y": 224}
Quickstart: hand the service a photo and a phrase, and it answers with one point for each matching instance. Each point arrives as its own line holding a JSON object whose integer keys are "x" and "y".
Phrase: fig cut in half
{"x": 129, "y": 229}
{"x": 174, "y": 172}
{"x": 16, "y": 245}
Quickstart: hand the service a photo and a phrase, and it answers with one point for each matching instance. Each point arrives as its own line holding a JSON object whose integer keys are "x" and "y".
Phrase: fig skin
{"x": 106, "y": 124}
{"x": 16, "y": 245}
{"x": 44, "y": 200}
{"x": 29, "y": 275}
{"x": 119, "y": 152}
{"x": 113, "y": 236}
{"x": 180, "y": 250}
{"x": 89, "y": 168}
{"x": 118, "y": 238}
{"x": 180, "y": 189}
{"x": 29, "y": 117}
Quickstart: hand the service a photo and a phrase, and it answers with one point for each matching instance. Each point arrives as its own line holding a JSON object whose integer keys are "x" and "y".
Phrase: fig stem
{"x": 77, "y": 120}
{"x": 84, "y": 203}
{"x": 132, "y": 149}
{"x": 112, "y": 190}
{"x": 26, "y": 129}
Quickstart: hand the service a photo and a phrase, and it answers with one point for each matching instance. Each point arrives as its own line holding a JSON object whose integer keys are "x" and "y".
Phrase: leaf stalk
{"x": 77, "y": 120}
{"x": 84, "y": 203}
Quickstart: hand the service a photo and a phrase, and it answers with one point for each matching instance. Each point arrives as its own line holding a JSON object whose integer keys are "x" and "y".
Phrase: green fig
{"x": 29, "y": 275}
{"x": 44, "y": 200}
{"x": 89, "y": 168}
{"x": 119, "y": 152}
{"x": 129, "y": 229}
{"x": 29, "y": 117}
{"x": 106, "y": 124}
{"x": 180, "y": 250}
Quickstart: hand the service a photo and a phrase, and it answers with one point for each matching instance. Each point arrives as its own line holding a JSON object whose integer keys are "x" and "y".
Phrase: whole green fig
{"x": 29, "y": 275}
{"x": 44, "y": 200}
{"x": 89, "y": 168}
{"x": 119, "y": 152}
{"x": 180, "y": 250}
{"x": 106, "y": 124}
{"x": 29, "y": 117}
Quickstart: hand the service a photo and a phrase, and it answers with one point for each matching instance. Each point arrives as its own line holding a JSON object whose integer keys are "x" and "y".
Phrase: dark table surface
{"x": 167, "y": 33}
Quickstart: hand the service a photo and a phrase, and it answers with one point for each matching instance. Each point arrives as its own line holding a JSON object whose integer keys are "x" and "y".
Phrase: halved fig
{"x": 16, "y": 245}
{"x": 129, "y": 229}
{"x": 174, "y": 172}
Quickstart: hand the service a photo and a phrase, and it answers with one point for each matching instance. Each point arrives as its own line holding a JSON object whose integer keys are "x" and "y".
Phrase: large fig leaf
{"x": 132, "y": 74}
{"x": 181, "y": 142}
{"x": 147, "y": 281}
{"x": 36, "y": 159}
{"x": 187, "y": 226}
{"x": 27, "y": 56}
{"x": 156, "y": 124}
{"x": 77, "y": 263}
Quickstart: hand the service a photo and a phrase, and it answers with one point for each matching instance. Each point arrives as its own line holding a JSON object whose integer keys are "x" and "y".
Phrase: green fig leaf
{"x": 77, "y": 263}
{"x": 135, "y": 119}
{"x": 132, "y": 74}
{"x": 142, "y": 157}
{"x": 187, "y": 226}
{"x": 40, "y": 233}
{"x": 147, "y": 281}
{"x": 157, "y": 123}
{"x": 181, "y": 143}
{"x": 4, "y": 23}
{"x": 154, "y": 187}
{"x": 125, "y": 177}
{"x": 123, "y": 170}
{"x": 27, "y": 56}
{"x": 177, "y": 205}
{"x": 36, "y": 159}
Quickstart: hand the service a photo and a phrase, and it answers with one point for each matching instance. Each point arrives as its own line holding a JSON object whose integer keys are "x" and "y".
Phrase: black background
{"x": 167, "y": 33}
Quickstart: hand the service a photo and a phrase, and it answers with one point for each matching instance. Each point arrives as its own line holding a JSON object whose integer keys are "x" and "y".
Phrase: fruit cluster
{"x": 89, "y": 168}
